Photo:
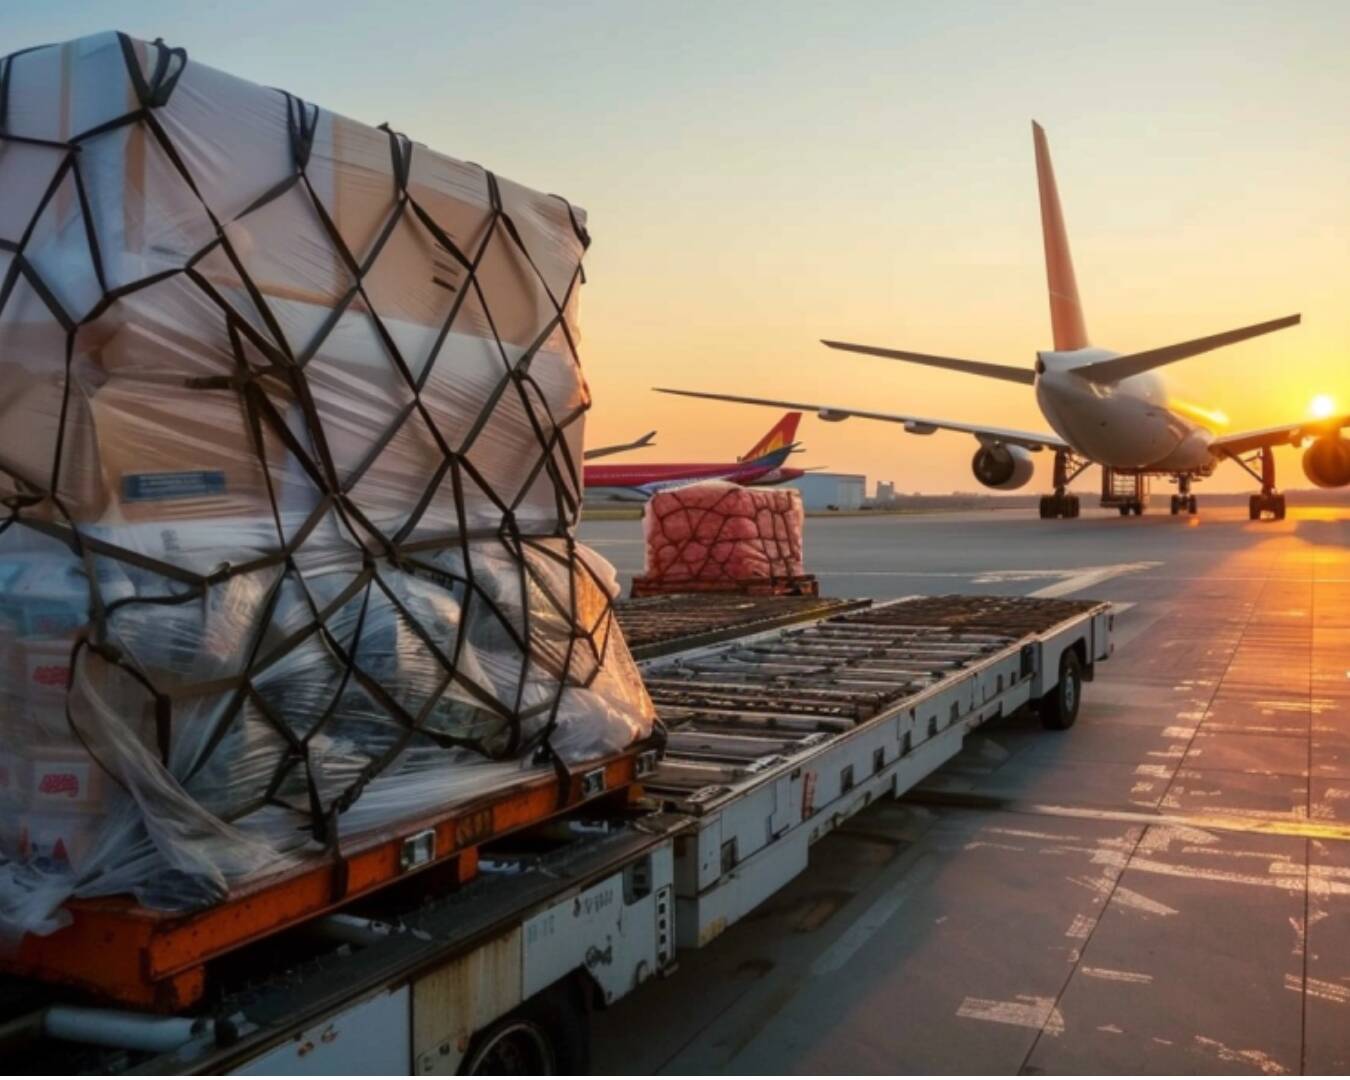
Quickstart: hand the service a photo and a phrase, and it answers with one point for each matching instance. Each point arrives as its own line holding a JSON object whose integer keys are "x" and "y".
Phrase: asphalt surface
{"x": 1165, "y": 888}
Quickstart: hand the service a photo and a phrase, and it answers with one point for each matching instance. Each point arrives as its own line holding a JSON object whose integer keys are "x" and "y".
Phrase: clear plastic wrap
{"x": 717, "y": 531}
{"x": 291, "y": 417}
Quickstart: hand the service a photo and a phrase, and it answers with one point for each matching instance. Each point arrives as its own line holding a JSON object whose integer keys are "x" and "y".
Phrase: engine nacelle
{"x": 1002, "y": 467}
{"x": 1327, "y": 462}
{"x": 833, "y": 416}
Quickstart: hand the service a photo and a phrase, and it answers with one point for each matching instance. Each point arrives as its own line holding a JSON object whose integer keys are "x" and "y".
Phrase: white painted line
{"x": 1063, "y": 581}
{"x": 1089, "y": 576}
{"x": 1027, "y": 1011}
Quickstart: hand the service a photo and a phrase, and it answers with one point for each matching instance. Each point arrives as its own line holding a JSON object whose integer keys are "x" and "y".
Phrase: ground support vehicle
{"x": 776, "y": 735}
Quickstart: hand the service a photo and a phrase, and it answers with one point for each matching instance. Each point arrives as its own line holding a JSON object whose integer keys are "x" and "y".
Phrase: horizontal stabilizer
{"x": 1122, "y": 367}
{"x": 970, "y": 367}
{"x": 1244, "y": 442}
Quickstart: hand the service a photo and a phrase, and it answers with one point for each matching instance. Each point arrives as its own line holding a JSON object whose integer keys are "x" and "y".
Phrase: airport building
{"x": 831, "y": 490}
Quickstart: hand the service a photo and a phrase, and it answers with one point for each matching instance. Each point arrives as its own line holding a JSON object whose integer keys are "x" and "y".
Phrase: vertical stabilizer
{"x": 778, "y": 437}
{"x": 1066, "y": 313}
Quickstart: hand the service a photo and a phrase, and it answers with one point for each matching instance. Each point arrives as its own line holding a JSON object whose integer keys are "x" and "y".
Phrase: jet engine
{"x": 1003, "y": 467}
{"x": 1327, "y": 461}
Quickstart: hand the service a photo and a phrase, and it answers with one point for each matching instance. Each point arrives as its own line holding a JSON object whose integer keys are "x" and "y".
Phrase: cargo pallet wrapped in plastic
{"x": 291, "y": 422}
{"x": 717, "y": 536}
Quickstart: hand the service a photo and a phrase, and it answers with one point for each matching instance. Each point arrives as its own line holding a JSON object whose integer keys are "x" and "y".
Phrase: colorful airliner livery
{"x": 1104, "y": 408}
{"x": 762, "y": 464}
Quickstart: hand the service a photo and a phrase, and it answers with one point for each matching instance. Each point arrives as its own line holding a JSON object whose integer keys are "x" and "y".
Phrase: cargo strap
{"x": 270, "y": 375}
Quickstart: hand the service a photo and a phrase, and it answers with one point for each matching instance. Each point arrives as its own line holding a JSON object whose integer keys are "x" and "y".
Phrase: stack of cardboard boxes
{"x": 290, "y": 440}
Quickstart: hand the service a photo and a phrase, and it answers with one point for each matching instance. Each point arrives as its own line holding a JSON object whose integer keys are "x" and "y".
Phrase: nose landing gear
{"x": 1184, "y": 502}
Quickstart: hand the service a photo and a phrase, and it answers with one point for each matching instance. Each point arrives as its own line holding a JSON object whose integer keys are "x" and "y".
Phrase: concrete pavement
{"x": 1163, "y": 888}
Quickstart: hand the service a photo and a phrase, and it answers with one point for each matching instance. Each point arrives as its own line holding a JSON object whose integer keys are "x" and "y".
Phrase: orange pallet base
{"x": 805, "y": 585}
{"x": 116, "y": 949}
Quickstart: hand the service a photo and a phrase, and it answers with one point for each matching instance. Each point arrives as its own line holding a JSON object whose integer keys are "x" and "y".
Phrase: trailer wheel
{"x": 548, "y": 1034}
{"x": 1059, "y": 708}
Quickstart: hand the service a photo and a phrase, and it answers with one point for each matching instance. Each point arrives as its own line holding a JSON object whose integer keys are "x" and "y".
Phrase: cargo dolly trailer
{"x": 776, "y": 735}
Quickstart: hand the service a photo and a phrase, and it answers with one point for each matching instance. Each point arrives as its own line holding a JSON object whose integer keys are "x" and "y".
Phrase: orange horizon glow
{"x": 759, "y": 176}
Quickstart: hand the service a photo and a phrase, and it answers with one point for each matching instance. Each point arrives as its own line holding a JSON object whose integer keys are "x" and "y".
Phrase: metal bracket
{"x": 646, "y": 763}
{"x": 592, "y": 783}
{"x": 417, "y": 849}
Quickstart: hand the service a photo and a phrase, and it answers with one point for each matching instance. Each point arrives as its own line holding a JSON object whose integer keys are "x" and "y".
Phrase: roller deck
{"x": 776, "y": 735}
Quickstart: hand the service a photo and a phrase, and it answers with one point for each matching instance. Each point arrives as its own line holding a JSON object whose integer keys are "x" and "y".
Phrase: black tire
{"x": 1045, "y": 507}
{"x": 1176, "y": 505}
{"x": 549, "y": 1034}
{"x": 1279, "y": 507}
{"x": 1059, "y": 707}
{"x": 1192, "y": 505}
{"x": 1254, "y": 507}
{"x": 1125, "y": 511}
{"x": 1138, "y": 509}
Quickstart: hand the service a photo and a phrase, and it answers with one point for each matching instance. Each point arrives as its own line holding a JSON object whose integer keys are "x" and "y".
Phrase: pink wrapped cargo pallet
{"x": 721, "y": 536}
{"x": 291, "y": 418}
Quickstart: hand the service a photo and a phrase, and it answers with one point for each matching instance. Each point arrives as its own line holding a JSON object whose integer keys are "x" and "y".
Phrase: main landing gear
{"x": 1061, "y": 504}
{"x": 1269, "y": 501}
{"x": 1183, "y": 502}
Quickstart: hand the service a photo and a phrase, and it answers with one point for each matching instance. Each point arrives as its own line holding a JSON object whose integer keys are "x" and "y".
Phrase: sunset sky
{"x": 761, "y": 175}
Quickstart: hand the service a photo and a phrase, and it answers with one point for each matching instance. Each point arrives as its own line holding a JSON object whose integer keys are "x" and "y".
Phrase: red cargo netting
{"x": 720, "y": 535}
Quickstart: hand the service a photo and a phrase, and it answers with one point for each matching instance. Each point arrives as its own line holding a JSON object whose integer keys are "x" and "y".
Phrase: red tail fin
{"x": 782, "y": 434}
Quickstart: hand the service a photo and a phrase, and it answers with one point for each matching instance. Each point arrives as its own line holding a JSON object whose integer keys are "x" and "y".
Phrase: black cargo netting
{"x": 271, "y": 379}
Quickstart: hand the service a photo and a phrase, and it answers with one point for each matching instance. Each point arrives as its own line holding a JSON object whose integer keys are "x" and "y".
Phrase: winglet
{"x": 1066, "y": 313}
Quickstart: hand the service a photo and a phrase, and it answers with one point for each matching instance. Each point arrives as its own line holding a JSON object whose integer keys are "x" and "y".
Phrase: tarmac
{"x": 1164, "y": 888}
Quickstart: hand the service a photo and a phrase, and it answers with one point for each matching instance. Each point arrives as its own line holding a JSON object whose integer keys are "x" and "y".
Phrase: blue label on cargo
{"x": 142, "y": 487}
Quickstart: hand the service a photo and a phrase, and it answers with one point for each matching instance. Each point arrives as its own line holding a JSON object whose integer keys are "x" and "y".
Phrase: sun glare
{"x": 1322, "y": 406}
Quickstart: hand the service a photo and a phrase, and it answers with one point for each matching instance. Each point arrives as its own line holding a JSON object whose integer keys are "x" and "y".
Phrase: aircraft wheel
{"x": 1176, "y": 505}
{"x": 1072, "y": 506}
{"x": 1254, "y": 507}
{"x": 1138, "y": 509}
{"x": 1277, "y": 505}
{"x": 1124, "y": 511}
{"x": 1192, "y": 505}
{"x": 1045, "y": 507}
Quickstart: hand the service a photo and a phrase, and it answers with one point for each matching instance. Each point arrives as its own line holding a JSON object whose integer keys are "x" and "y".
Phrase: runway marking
{"x": 1088, "y": 576}
{"x": 1116, "y": 976}
{"x": 1037, "y": 1013}
{"x": 1063, "y": 581}
{"x": 1297, "y": 827}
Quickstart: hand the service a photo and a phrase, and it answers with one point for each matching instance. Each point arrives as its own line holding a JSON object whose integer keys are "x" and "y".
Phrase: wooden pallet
{"x": 804, "y": 585}
{"x": 116, "y": 949}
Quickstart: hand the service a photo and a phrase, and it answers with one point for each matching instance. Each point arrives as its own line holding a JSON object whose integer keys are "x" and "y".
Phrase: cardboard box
{"x": 63, "y": 779}
{"x": 57, "y": 841}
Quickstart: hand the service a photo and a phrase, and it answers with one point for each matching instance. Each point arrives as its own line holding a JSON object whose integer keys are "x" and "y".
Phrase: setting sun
{"x": 1321, "y": 406}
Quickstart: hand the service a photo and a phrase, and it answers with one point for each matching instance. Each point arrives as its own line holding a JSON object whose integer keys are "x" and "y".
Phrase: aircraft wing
{"x": 915, "y": 425}
{"x": 606, "y": 451}
{"x": 1246, "y": 441}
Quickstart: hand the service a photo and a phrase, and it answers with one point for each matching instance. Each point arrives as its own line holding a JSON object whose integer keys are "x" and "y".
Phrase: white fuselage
{"x": 1126, "y": 424}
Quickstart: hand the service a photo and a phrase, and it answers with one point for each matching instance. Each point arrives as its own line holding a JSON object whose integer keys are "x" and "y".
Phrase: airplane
{"x": 762, "y": 464}
{"x": 1104, "y": 408}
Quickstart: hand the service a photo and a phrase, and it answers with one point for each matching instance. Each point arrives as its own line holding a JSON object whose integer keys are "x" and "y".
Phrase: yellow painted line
{"x": 1237, "y": 823}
